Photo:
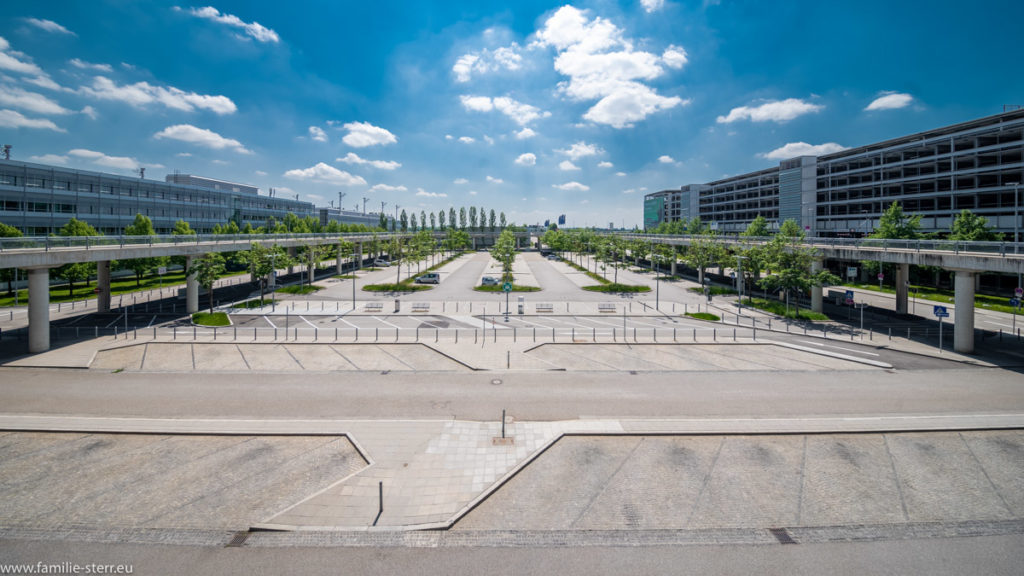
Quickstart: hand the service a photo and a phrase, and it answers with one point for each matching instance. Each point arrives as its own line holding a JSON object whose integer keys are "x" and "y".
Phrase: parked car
{"x": 382, "y": 263}
{"x": 488, "y": 281}
{"x": 552, "y": 257}
{"x": 429, "y": 278}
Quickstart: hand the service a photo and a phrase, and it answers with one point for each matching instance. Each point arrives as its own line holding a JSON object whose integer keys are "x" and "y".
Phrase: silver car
{"x": 488, "y": 281}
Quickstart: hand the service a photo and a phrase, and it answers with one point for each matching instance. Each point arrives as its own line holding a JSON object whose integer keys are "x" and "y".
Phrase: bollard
{"x": 552, "y": 334}
{"x": 335, "y": 334}
{"x": 193, "y": 332}
{"x": 456, "y": 335}
{"x": 474, "y": 335}
{"x": 694, "y": 334}
{"x": 396, "y": 334}
{"x": 594, "y": 334}
{"x": 255, "y": 334}
{"x": 1000, "y": 334}
{"x": 769, "y": 324}
{"x": 495, "y": 333}
{"x": 316, "y": 334}
{"x": 733, "y": 334}
{"x": 534, "y": 333}
{"x": 514, "y": 330}
{"x": 573, "y": 333}
{"x": 755, "y": 334}
{"x": 634, "y": 334}
{"x": 508, "y": 364}
{"x": 437, "y": 333}
{"x": 174, "y": 332}
{"x": 714, "y": 334}
{"x": 214, "y": 333}
{"x": 908, "y": 332}
{"x": 275, "y": 334}
{"x": 613, "y": 334}
{"x": 674, "y": 335}
{"x": 376, "y": 335}
{"x": 357, "y": 334}
{"x": 417, "y": 333}
{"x": 871, "y": 334}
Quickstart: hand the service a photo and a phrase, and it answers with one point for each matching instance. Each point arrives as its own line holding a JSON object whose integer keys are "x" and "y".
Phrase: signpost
{"x": 851, "y": 272}
{"x": 506, "y": 288}
{"x": 849, "y": 297}
{"x": 881, "y": 277}
{"x": 862, "y": 306}
{"x": 940, "y": 313}
{"x": 1015, "y": 302}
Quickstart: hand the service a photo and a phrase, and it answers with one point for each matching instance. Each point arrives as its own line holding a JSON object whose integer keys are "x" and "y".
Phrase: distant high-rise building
{"x": 561, "y": 220}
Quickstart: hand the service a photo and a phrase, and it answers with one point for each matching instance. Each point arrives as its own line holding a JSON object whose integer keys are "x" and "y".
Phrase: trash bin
{"x": 398, "y": 305}
{"x": 522, "y": 304}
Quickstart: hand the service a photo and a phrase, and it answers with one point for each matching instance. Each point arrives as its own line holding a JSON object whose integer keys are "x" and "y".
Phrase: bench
{"x": 374, "y": 306}
{"x": 421, "y": 307}
{"x": 545, "y": 307}
{"x": 606, "y": 307}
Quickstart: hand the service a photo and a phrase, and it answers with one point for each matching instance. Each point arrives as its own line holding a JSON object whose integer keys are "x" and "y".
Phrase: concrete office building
{"x": 39, "y": 199}
{"x": 976, "y": 165}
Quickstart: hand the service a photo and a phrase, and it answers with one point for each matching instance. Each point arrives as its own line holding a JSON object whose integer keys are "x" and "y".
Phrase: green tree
{"x": 792, "y": 264}
{"x": 261, "y": 264}
{"x": 440, "y": 219}
{"x": 382, "y": 221}
{"x": 894, "y": 224}
{"x": 790, "y": 229}
{"x": 501, "y": 221}
{"x": 451, "y": 216}
{"x": 141, "y": 226}
{"x": 703, "y": 253}
{"x": 207, "y": 270}
{"x": 7, "y": 274}
{"x": 181, "y": 228}
{"x": 79, "y": 270}
{"x": 482, "y": 215}
{"x": 462, "y": 218}
{"x": 423, "y": 219}
{"x": 412, "y": 222}
{"x": 433, "y": 221}
{"x": 472, "y": 217}
{"x": 504, "y": 251}
{"x": 405, "y": 221}
{"x": 970, "y": 227}
{"x": 758, "y": 227}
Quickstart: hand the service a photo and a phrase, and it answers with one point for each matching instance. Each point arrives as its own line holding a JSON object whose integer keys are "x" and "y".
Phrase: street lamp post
{"x": 1016, "y": 224}
{"x": 739, "y": 279}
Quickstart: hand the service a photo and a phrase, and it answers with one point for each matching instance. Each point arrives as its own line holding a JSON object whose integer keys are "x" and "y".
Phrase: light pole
{"x": 1016, "y": 224}
{"x": 739, "y": 278}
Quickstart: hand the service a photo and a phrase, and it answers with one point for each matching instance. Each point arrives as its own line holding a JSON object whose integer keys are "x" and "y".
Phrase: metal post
{"x": 502, "y": 422}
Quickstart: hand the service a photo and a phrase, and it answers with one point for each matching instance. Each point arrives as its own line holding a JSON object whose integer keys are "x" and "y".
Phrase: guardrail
{"x": 884, "y": 244}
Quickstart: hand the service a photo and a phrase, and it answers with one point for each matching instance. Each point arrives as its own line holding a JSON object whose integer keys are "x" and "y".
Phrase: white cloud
{"x": 253, "y": 29}
{"x": 49, "y": 159}
{"x": 101, "y": 159}
{"x": 184, "y": 154}
{"x": 527, "y": 159}
{"x": 326, "y": 174}
{"x": 620, "y": 173}
{"x": 12, "y": 60}
{"x": 77, "y": 63}
{"x": 494, "y": 180}
{"x": 386, "y": 188}
{"x": 525, "y": 133}
{"x": 520, "y": 113}
{"x": 567, "y": 165}
{"x": 674, "y": 57}
{"x": 572, "y": 186}
{"x": 90, "y": 112}
{"x": 425, "y": 194}
{"x": 143, "y": 93}
{"x": 49, "y": 26}
{"x": 14, "y": 119}
{"x": 652, "y": 5}
{"x": 665, "y": 159}
{"x": 460, "y": 181}
{"x": 602, "y": 65}
{"x": 773, "y": 111}
{"x": 364, "y": 134}
{"x": 317, "y": 133}
{"x": 890, "y": 101}
{"x": 353, "y": 158}
{"x": 202, "y": 137}
{"x": 605, "y": 164}
{"x": 794, "y": 149}
{"x": 581, "y": 150}
{"x": 484, "y": 61}
{"x": 30, "y": 101}
{"x": 448, "y": 137}
{"x": 630, "y": 191}
{"x": 467, "y": 139}
{"x": 472, "y": 192}
{"x": 488, "y": 139}
{"x": 43, "y": 81}
{"x": 260, "y": 173}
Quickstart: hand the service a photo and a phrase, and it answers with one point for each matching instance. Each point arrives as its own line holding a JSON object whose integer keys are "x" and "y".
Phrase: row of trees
{"x": 471, "y": 219}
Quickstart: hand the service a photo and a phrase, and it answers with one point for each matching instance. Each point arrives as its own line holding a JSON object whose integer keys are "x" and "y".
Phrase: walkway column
{"x": 359, "y": 255}
{"x": 816, "y": 290}
{"x": 191, "y": 286}
{"x": 38, "y": 310}
{"x": 339, "y": 258}
{"x": 902, "y": 287}
{"x": 103, "y": 286}
{"x": 474, "y": 243}
{"x": 963, "y": 318}
{"x": 292, "y": 251}
{"x": 673, "y": 266}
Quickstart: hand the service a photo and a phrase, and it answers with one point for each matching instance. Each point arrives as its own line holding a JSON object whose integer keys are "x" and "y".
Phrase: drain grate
{"x": 782, "y": 535}
{"x": 238, "y": 539}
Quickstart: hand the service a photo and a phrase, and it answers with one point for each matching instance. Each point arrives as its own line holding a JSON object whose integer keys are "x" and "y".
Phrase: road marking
{"x": 839, "y": 348}
{"x": 379, "y": 319}
{"x": 998, "y": 323}
{"x": 151, "y": 320}
{"x": 272, "y": 325}
{"x": 308, "y": 322}
{"x": 347, "y": 322}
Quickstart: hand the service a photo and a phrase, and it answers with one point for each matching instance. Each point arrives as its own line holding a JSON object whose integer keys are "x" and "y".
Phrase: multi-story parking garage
{"x": 39, "y": 199}
{"x": 976, "y": 165}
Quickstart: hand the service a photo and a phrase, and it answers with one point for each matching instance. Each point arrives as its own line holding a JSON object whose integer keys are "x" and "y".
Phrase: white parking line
{"x": 272, "y": 325}
{"x": 379, "y": 319}
{"x": 347, "y": 322}
{"x": 308, "y": 322}
{"x": 839, "y": 348}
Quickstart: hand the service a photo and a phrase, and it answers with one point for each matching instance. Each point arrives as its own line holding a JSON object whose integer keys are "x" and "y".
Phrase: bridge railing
{"x": 919, "y": 245}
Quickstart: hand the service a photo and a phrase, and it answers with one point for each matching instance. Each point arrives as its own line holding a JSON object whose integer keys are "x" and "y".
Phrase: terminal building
{"x": 39, "y": 199}
{"x": 976, "y": 165}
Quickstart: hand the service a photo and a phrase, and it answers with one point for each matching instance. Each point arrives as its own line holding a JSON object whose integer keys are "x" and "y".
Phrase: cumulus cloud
{"x": 353, "y": 158}
{"x": 90, "y": 112}
{"x": 101, "y": 159}
{"x": 143, "y": 93}
{"x": 253, "y": 29}
{"x": 425, "y": 194}
{"x": 364, "y": 134}
{"x": 15, "y": 119}
{"x": 666, "y": 159}
{"x": 674, "y": 57}
{"x": 467, "y": 139}
{"x": 15, "y": 61}
{"x": 602, "y": 65}
{"x": 326, "y": 174}
{"x": 652, "y": 5}
{"x": 794, "y": 149}
{"x": 387, "y": 188}
{"x": 605, "y": 164}
{"x": 49, "y": 159}
{"x": 484, "y": 61}
{"x": 572, "y": 187}
{"x": 460, "y": 181}
{"x": 525, "y": 133}
{"x": 567, "y": 166}
{"x": 317, "y": 133}
{"x": 494, "y": 180}
{"x": 890, "y": 101}
{"x": 772, "y": 111}
{"x": 201, "y": 137}
{"x": 29, "y": 101}
{"x": 82, "y": 64}
{"x": 520, "y": 113}
{"x": 620, "y": 173}
{"x": 49, "y": 26}
{"x": 527, "y": 159}
{"x": 581, "y": 150}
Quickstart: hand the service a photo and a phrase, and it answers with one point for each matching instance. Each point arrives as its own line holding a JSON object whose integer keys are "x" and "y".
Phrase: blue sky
{"x": 531, "y": 108}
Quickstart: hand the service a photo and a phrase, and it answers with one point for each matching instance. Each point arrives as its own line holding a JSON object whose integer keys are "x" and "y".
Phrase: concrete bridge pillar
{"x": 292, "y": 252}
{"x": 902, "y": 287}
{"x": 339, "y": 258}
{"x": 38, "y": 310}
{"x": 103, "y": 285}
{"x": 816, "y": 290}
{"x": 474, "y": 243}
{"x": 673, "y": 267}
{"x": 359, "y": 255}
{"x": 963, "y": 319}
{"x": 191, "y": 287}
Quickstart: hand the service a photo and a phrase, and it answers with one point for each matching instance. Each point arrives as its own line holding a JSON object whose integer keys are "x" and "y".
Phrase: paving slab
{"x": 318, "y": 357}
{"x": 169, "y": 356}
{"x": 122, "y": 358}
{"x": 1001, "y": 454}
{"x": 849, "y": 479}
{"x": 219, "y": 357}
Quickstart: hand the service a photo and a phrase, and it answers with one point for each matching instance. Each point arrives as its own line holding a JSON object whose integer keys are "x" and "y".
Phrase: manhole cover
{"x": 495, "y": 382}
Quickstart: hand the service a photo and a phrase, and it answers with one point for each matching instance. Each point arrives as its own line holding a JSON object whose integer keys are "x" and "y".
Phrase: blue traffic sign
{"x": 1014, "y": 302}
{"x": 940, "y": 312}
{"x": 506, "y": 287}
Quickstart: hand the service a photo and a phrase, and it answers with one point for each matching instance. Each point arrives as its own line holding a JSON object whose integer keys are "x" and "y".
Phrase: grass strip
{"x": 207, "y": 319}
